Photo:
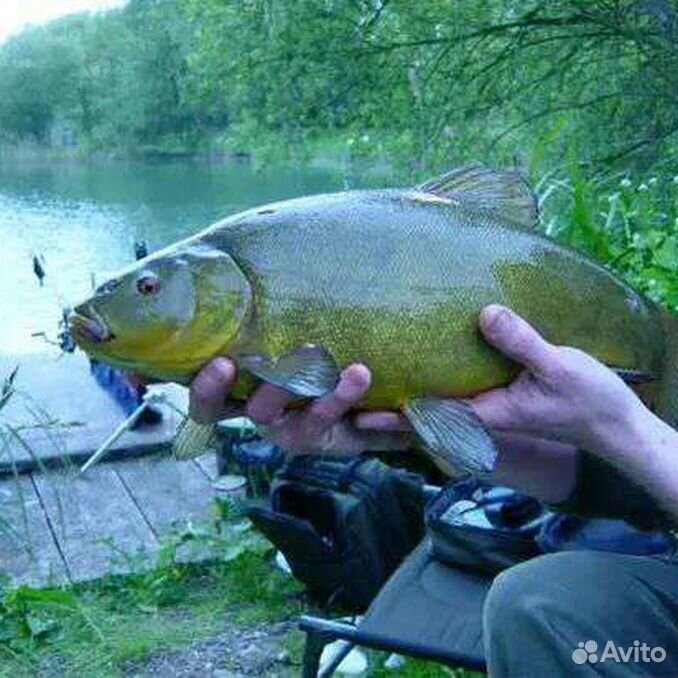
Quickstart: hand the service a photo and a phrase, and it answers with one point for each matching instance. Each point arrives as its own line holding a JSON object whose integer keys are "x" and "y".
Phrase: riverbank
{"x": 364, "y": 153}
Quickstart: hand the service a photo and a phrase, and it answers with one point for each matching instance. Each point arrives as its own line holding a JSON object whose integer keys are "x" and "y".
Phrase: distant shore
{"x": 327, "y": 152}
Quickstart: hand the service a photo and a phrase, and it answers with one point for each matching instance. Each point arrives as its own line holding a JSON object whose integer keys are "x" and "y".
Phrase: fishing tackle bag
{"x": 343, "y": 526}
{"x": 488, "y": 529}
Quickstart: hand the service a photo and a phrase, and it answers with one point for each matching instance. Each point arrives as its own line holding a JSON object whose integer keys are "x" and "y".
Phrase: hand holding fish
{"x": 565, "y": 399}
{"x": 321, "y": 426}
{"x": 566, "y": 395}
{"x": 563, "y": 394}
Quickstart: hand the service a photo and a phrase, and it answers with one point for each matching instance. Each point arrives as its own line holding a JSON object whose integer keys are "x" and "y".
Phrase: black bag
{"x": 488, "y": 529}
{"x": 483, "y": 529}
{"x": 343, "y": 526}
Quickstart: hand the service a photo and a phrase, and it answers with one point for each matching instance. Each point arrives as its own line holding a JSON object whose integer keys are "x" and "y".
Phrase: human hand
{"x": 563, "y": 394}
{"x": 567, "y": 395}
{"x": 319, "y": 427}
{"x": 564, "y": 400}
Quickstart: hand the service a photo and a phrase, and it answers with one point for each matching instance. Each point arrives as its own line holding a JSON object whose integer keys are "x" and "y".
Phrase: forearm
{"x": 542, "y": 469}
{"x": 647, "y": 453}
{"x": 582, "y": 483}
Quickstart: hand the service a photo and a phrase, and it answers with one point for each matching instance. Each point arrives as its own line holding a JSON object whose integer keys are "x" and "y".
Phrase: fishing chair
{"x": 426, "y": 610}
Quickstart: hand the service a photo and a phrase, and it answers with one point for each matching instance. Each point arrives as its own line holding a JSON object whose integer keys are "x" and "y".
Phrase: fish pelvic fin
{"x": 309, "y": 371}
{"x": 193, "y": 439}
{"x": 634, "y": 377}
{"x": 667, "y": 406}
{"x": 453, "y": 435}
{"x": 502, "y": 194}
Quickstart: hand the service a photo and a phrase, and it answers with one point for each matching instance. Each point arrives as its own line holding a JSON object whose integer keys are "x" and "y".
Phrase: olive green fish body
{"x": 386, "y": 279}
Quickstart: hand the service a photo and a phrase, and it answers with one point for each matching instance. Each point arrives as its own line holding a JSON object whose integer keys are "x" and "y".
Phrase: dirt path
{"x": 235, "y": 653}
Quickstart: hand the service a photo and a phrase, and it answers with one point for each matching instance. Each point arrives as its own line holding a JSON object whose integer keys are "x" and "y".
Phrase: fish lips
{"x": 89, "y": 327}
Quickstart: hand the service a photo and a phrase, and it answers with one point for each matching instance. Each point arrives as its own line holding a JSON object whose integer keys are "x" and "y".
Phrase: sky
{"x": 15, "y": 14}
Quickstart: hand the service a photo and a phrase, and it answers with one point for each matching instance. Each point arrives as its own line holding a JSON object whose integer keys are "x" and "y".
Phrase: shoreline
{"x": 332, "y": 151}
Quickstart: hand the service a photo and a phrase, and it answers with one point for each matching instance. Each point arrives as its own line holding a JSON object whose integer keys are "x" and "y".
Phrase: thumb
{"x": 516, "y": 338}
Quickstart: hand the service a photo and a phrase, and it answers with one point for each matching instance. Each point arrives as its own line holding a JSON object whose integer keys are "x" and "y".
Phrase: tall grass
{"x": 629, "y": 222}
{"x": 12, "y": 437}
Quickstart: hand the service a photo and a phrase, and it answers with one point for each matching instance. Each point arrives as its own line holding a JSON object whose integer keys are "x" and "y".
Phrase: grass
{"x": 91, "y": 630}
{"x": 629, "y": 222}
{"x": 418, "y": 669}
{"x": 96, "y": 630}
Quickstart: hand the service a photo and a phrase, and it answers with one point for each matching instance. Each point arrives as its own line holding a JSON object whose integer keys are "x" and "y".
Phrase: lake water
{"x": 85, "y": 218}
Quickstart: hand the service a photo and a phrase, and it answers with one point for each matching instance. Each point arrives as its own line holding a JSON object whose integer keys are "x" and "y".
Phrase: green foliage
{"x": 112, "y": 80}
{"x": 24, "y": 613}
{"x": 425, "y": 84}
{"x": 419, "y": 669}
{"x": 630, "y": 222}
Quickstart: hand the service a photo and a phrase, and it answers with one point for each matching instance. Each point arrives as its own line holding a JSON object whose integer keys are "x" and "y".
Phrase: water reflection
{"x": 84, "y": 218}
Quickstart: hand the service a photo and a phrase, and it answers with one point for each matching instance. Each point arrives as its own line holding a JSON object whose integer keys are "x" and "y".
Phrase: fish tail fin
{"x": 668, "y": 395}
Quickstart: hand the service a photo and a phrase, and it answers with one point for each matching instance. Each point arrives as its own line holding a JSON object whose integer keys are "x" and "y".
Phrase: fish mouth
{"x": 88, "y": 327}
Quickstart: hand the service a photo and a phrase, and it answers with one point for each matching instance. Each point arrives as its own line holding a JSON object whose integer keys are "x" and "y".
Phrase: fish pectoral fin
{"x": 309, "y": 371}
{"x": 193, "y": 439}
{"x": 502, "y": 194}
{"x": 453, "y": 434}
{"x": 634, "y": 376}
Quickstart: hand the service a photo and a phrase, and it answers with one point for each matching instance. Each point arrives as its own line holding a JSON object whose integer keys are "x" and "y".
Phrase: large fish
{"x": 395, "y": 279}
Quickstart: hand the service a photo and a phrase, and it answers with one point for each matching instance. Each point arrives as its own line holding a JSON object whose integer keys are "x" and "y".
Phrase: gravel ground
{"x": 235, "y": 653}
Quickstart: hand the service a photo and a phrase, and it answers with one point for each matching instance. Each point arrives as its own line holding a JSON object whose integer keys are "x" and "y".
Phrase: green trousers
{"x": 581, "y": 614}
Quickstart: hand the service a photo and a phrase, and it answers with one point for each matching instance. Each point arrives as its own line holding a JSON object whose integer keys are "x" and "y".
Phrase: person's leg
{"x": 541, "y": 616}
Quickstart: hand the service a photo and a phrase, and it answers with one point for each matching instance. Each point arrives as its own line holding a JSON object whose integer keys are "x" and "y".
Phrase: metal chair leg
{"x": 332, "y": 666}
{"x": 313, "y": 649}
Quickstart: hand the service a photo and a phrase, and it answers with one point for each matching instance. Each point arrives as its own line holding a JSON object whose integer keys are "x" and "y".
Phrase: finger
{"x": 516, "y": 338}
{"x": 209, "y": 390}
{"x": 354, "y": 383}
{"x": 268, "y": 403}
{"x": 382, "y": 421}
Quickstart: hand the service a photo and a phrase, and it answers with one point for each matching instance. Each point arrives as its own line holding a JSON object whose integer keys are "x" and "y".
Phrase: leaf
{"x": 38, "y": 626}
{"x": 666, "y": 255}
{"x": 58, "y": 596}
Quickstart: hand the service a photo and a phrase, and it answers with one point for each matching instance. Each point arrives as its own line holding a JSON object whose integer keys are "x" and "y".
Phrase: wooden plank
{"x": 28, "y": 552}
{"x": 99, "y": 528}
{"x": 80, "y": 414}
{"x": 168, "y": 492}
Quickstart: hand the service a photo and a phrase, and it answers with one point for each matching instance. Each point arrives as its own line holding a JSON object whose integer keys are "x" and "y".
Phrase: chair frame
{"x": 320, "y": 632}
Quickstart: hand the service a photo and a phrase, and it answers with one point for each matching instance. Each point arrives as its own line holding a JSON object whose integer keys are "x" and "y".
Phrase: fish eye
{"x": 148, "y": 283}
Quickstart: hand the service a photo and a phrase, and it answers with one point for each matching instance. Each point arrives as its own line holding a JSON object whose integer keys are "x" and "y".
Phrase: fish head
{"x": 167, "y": 315}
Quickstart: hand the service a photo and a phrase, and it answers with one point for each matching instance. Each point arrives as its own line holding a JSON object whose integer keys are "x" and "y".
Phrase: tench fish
{"x": 396, "y": 278}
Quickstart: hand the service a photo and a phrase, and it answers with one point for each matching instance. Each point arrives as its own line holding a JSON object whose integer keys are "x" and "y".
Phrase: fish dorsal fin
{"x": 502, "y": 194}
